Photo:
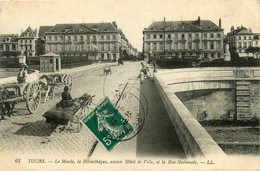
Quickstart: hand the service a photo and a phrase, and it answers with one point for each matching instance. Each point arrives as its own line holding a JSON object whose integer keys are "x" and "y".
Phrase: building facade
{"x": 240, "y": 39}
{"x": 201, "y": 39}
{"x": 27, "y": 42}
{"x": 100, "y": 41}
{"x": 8, "y": 42}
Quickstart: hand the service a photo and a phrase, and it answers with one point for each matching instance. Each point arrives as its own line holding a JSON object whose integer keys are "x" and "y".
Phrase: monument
{"x": 227, "y": 56}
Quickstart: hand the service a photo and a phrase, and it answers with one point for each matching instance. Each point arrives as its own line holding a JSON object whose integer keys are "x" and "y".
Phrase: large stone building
{"x": 241, "y": 39}
{"x": 27, "y": 42}
{"x": 200, "y": 39}
{"x": 99, "y": 40}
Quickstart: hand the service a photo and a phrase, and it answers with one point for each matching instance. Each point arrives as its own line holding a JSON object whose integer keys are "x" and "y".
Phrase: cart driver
{"x": 66, "y": 98}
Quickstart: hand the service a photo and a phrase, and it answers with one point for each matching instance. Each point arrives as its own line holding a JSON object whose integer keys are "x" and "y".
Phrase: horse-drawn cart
{"x": 69, "y": 117}
{"x": 30, "y": 91}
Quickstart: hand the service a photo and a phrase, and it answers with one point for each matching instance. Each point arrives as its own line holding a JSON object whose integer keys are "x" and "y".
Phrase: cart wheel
{"x": 68, "y": 81}
{"x": 33, "y": 97}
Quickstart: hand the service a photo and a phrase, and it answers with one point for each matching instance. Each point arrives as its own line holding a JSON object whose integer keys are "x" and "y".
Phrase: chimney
{"x": 219, "y": 22}
{"x": 164, "y": 19}
{"x": 232, "y": 28}
{"x": 250, "y": 30}
{"x": 199, "y": 20}
{"x": 114, "y": 24}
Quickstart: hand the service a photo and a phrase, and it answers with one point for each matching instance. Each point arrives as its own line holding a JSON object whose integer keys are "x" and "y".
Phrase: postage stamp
{"x": 107, "y": 124}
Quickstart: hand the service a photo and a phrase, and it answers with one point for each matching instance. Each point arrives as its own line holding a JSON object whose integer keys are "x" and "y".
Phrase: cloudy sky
{"x": 132, "y": 16}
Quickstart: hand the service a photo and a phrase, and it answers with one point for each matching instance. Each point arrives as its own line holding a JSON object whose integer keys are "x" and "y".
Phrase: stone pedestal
{"x": 227, "y": 57}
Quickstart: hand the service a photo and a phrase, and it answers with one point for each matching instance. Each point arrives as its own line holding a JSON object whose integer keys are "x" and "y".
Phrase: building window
{"x": 102, "y": 37}
{"x": 176, "y": 36}
{"x": 102, "y": 46}
{"x": 94, "y": 37}
{"x": 205, "y": 55}
{"x": 239, "y": 37}
{"x": 154, "y": 46}
{"x": 169, "y": 36}
{"x": 75, "y": 38}
{"x": 211, "y": 35}
{"x": 114, "y": 37}
{"x": 205, "y": 35}
{"x": 161, "y": 46}
{"x": 182, "y": 45}
{"x": 161, "y": 36}
{"x": 196, "y": 36}
{"x": 148, "y": 46}
{"x": 81, "y": 38}
{"x": 218, "y": 45}
{"x": 51, "y": 61}
{"x": 55, "y": 38}
{"x": 182, "y": 36}
{"x": 190, "y": 53}
{"x": 245, "y": 45}
{"x": 108, "y": 47}
{"x": 189, "y": 45}
{"x": 49, "y": 38}
{"x": 114, "y": 47}
{"x": 219, "y": 55}
{"x": 61, "y": 37}
{"x": 211, "y": 45}
{"x": 239, "y": 45}
{"x": 1, "y": 47}
{"x": 69, "y": 39}
{"x": 250, "y": 44}
{"x": 189, "y": 36}
{"x": 206, "y": 45}
{"x": 102, "y": 56}
{"x": 154, "y": 36}
{"x": 148, "y": 36}
{"x": 196, "y": 45}
{"x": 176, "y": 45}
{"x": 169, "y": 45}
{"x": 13, "y": 47}
{"x": 108, "y": 37}
{"x": 218, "y": 35}
{"x": 212, "y": 55}
{"x": 244, "y": 37}
{"x": 249, "y": 37}
{"x": 88, "y": 37}
{"x": 256, "y": 43}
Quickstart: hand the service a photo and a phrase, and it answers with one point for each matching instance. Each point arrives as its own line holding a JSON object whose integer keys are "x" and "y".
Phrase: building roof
{"x": 197, "y": 25}
{"x": 240, "y": 31}
{"x": 50, "y": 54}
{"x": 101, "y": 27}
{"x": 43, "y": 29}
{"x": 8, "y": 38}
{"x": 29, "y": 32}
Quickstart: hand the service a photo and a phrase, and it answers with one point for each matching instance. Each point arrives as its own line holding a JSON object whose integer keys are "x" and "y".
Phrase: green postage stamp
{"x": 107, "y": 124}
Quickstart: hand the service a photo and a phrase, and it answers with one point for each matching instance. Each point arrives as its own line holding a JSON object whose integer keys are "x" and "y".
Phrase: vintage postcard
{"x": 129, "y": 85}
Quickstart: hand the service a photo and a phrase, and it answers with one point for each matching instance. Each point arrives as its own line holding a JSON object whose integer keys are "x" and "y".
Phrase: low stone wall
{"x": 195, "y": 140}
{"x": 75, "y": 72}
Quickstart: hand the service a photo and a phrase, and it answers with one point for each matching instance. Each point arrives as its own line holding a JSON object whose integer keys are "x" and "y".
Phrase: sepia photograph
{"x": 129, "y": 85}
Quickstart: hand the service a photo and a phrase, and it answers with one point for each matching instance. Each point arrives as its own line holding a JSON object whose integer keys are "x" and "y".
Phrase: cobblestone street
{"x": 26, "y": 133}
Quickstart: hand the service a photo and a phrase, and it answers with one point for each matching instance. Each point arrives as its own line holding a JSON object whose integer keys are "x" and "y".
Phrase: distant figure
{"x": 66, "y": 98}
